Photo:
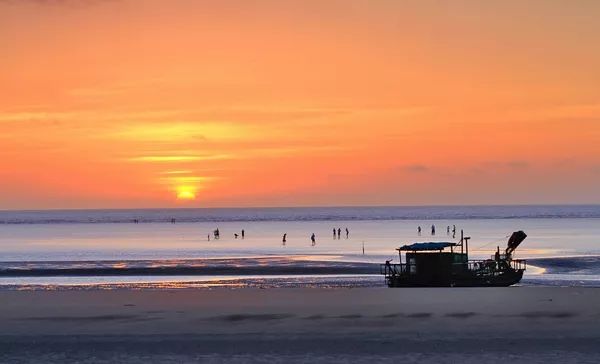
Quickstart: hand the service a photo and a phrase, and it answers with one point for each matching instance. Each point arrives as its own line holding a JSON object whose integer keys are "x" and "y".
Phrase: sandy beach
{"x": 520, "y": 324}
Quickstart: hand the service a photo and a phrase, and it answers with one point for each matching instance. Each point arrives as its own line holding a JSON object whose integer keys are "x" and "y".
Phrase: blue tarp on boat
{"x": 427, "y": 246}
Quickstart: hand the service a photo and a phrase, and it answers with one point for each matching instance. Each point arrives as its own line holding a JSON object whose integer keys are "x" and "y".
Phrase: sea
{"x": 177, "y": 249}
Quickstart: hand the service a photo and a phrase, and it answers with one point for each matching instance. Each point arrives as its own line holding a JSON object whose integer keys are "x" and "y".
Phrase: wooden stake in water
{"x": 363, "y": 248}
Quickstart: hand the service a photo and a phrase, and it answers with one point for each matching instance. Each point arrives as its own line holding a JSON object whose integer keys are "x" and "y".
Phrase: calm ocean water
{"x": 105, "y": 249}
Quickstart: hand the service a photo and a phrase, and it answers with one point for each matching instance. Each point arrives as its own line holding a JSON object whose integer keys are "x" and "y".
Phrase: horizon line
{"x": 297, "y": 207}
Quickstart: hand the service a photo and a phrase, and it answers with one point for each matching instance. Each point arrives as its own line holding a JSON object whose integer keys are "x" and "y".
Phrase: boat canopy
{"x": 426, "y": 246}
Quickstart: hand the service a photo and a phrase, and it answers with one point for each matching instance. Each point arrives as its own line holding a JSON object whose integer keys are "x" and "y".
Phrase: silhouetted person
{"x": 453, "y": 231}
{"x": 243, "y": 233}
{"x": 172, "y": 220}
{"x": 208, "y": 237}
{"x": 313, "y": 239}
{"x": 217, "y": 234}
{"x": 448, "y": 230}
{"x": 334, "y": 233}
{"x": 284, "y": 240}
{"x": 432, "y": 229}
{"x": 347, "y": 233}
{"x": 419, "y": 230}
{"x": 339, "y": 233}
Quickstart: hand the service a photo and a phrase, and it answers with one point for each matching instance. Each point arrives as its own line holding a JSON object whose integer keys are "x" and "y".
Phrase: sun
{"x": 186, "y": 193}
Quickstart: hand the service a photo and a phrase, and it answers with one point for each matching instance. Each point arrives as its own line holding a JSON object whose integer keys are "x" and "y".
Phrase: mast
{"x": 464, "y": 241}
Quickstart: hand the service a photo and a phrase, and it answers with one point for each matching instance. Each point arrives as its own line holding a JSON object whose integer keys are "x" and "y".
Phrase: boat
{"x": 447, "y": 264}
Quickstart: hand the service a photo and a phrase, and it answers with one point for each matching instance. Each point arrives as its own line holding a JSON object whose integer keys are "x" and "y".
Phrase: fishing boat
{"x": 447, "y": 264}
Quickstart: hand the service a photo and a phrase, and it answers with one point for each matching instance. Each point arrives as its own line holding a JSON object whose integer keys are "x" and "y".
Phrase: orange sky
{"x": 283, "y": 103}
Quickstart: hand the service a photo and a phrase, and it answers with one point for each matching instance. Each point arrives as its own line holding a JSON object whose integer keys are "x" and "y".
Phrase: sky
{"x": 126, "y": 104}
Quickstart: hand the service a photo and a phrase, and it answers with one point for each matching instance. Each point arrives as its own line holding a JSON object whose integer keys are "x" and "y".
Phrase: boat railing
{"x": 394, "y": 269}
{"x": 491, "y": 265}
{"x": 519, "y": 264}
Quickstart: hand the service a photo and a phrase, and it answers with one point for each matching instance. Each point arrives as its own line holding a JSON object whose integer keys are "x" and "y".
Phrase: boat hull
{"x": 503, "y": 279}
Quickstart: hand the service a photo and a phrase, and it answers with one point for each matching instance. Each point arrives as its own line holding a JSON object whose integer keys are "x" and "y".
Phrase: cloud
{"x": 8, "y": 117}
{"x": 186, "y": 180}
{"x": 517, "y": 164}
{"x": 87, "y": 116}
{"x": 181, "y": 131}
{"x": 179, "y": 158}
{"x": 187, "y": 171}
{"x": 514, "y": 164}
{"x": 71, "y": 3}
{"x": 416, "y": 168}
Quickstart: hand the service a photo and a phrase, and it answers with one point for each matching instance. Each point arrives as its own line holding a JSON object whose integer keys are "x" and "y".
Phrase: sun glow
{"x": 186, "y": 193}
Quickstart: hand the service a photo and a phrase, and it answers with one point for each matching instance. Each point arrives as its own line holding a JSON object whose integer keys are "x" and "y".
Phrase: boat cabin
{"x": 428, "y": 262}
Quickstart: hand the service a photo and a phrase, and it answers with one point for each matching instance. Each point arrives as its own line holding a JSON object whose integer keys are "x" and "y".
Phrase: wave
{"x": 190, "y": 267}
{"x": 581, "y": 265}
{"x": 299, "y": 214}
{"x": 209, "y": 283}
{"x": 249, "y": 272}
{"x": 283, "y": 265}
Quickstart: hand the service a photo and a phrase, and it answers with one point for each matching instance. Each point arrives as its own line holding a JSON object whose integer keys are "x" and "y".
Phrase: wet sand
{"x": 517, "y": 324}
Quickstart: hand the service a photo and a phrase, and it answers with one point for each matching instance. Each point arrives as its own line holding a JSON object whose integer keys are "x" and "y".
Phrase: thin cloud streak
{"x": 179, "y": 158}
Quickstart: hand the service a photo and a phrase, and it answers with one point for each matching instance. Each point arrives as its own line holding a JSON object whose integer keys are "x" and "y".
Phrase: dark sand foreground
{"x": 466, "y": 325}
